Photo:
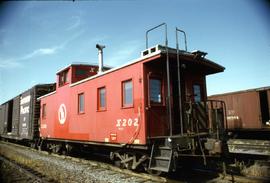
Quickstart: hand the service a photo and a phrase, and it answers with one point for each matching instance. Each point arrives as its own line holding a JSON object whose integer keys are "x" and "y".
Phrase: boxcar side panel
{"x": 4, "y": 118}
{"x": 16, "y": 116}
{"x": 25, "y": 113}
{"x": 2, "y": 114}
{"x": 268, "y": 97}
{"x": 243, "y": 109}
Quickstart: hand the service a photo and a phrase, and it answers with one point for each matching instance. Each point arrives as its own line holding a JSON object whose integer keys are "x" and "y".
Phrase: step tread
{"x": 162, "y": 158}
{"x": 164, "y": 148}
{"x": 157, "y": 168}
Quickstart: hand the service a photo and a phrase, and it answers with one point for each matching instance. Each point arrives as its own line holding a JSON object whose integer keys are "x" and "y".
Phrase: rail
{"x": 179, "y": 77}
{"x": 27, "y": 172}
{"x": 215, "y": 109}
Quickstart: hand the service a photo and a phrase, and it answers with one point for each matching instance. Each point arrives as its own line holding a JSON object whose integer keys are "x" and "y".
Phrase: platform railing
{"x": 217, "y": 116}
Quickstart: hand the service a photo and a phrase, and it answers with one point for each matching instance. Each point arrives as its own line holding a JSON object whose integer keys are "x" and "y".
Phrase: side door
{"x": 156, "y": 108}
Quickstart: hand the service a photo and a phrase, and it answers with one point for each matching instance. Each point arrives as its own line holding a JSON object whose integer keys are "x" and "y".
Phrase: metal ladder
{"x": 161, "y": 154}
{"x": 161, "y": 157}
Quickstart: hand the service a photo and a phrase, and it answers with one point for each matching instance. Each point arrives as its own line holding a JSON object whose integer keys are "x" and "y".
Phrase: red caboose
{"x": 156, "y": 103}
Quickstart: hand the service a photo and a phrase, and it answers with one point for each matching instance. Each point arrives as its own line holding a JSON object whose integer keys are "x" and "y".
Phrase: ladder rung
{"x": 162, "y": 158}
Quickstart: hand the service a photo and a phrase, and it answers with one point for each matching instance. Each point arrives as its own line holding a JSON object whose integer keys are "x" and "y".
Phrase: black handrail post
{"x": 179, "y": 77}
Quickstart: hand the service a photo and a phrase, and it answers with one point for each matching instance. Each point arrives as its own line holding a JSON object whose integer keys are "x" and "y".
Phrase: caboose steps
{"x": 160, "y": 159}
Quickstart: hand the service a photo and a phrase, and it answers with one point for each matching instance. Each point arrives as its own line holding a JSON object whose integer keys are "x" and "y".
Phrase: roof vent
{"x": 151, "y": 50}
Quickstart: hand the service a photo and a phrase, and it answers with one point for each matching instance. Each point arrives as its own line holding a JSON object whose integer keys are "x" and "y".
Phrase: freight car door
{"x": 157, "y": 118}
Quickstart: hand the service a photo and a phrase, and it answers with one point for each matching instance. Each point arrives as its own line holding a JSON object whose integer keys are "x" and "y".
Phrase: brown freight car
{"x": 248, "y": 120}
{"x": 247, "y": 109}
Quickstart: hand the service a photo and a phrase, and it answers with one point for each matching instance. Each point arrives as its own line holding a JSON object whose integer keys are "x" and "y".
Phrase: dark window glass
{"x": 43, "y": 110}
{"x": 127, "y": 93}
{"x": 81, "y": 103}
{"x": 155, "y": 90}
{"x": 63, "y": 78}
{"x": 80, "y": 72}
{"x": 101, "y": 98}
{"x": 197, "y": 93}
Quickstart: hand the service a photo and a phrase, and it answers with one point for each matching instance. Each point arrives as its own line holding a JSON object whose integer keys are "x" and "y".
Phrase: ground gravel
{"x": 66, "y": 169}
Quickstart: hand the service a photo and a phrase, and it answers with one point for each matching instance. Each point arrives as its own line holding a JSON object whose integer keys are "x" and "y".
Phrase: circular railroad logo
{"x": 62, "y": 114}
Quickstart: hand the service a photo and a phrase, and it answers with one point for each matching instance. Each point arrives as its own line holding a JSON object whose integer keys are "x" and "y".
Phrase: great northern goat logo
{"x": 62, "y": 114}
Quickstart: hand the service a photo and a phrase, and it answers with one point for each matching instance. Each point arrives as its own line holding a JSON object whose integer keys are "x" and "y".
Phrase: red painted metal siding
{"x": 80, "y": 72}
{"x": 193, "y": 78}
{"x": 116, "y": 124}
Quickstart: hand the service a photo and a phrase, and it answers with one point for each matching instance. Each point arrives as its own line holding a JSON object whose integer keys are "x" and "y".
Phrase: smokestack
{"x": 100, "y": 57}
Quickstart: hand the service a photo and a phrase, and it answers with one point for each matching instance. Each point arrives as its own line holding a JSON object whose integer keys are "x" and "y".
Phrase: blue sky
{"x": 39, "y": 38}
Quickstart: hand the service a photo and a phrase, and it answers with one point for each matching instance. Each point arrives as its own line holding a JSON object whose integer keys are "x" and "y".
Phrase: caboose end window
{"x": 197, "y": 93}
{"x": 101, "y": 105}
{"x": 81, "y": 103}
{"x": 127, "y": 93}
{"x": 155, "y": 91}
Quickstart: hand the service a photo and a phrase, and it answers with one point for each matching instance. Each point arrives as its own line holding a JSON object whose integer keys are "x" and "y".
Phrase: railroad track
{"x": 239, "y": 179}
{"x": 20, "y": 173}
{"x": 59, "y": 168}
{"x": 93, "y": 171}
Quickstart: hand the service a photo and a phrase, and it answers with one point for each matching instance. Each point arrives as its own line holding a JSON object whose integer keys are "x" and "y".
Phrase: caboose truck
{"x": 151, "y": 111}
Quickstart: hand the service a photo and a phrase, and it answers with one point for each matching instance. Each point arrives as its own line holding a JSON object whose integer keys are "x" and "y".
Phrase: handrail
{"x": 179, "y": 78}
{"x": 149, "y": 30}
{"x": 185, "y": 36}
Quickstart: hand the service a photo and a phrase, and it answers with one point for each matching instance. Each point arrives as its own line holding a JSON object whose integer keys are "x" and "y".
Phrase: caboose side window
{"x": 43, "y": 110}
{"x": 81, "y": 103}
{"x": 155, "y": 90}
{"x": 197, "y": 93}
{"x": 127, "y": 93}
{"x": 102, "y": 98}
{"x": 80, "y": 72}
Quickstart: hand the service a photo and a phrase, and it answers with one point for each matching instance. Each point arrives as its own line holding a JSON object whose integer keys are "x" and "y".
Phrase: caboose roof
{"x": 195, "y": 57}
{"x": 242, "y": 91}
{"x": 192, "y": 57}
{"x": 80, "y": 64}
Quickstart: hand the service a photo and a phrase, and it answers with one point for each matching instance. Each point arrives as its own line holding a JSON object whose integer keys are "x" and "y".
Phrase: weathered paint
{"x": 243, "y": 108}
{"x": 247, "y": 146}
{"x": 24, "y": 115}
{"x": 16, "y": 116}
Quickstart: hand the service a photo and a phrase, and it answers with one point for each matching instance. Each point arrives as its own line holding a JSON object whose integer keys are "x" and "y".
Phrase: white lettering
{"x": 122, "y": 123}
{"x": 43, "y": 126}
{"x": 136, "y": 122}
{"x": 24, "y": 110}
{"x": 25, "y": 100}
{"x": 232, "y": 117}
{"x": 130, "y": 122}
{"x": 118, "y": 124}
